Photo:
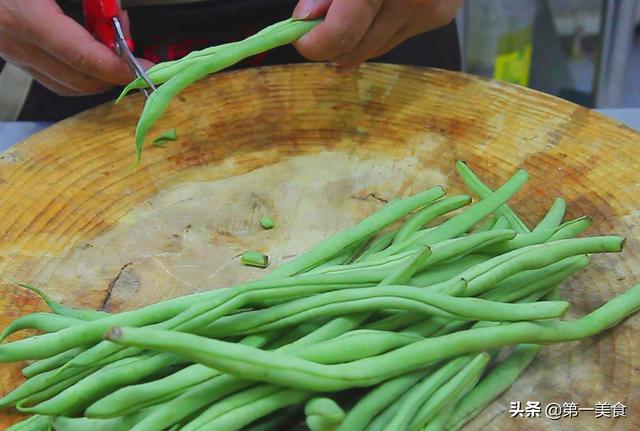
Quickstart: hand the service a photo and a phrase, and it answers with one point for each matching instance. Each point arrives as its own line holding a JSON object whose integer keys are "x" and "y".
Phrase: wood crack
{"x": 111, "y": 285}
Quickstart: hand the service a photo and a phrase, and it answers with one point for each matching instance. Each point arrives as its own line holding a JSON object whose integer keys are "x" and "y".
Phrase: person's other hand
{"x": 356, "y": 30}
{"x": 36, "y": 36}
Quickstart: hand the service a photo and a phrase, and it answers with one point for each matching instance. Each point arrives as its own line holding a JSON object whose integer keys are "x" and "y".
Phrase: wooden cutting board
{"x": 317, "y": 149}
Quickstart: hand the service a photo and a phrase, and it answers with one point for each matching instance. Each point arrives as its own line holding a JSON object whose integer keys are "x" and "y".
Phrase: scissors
{"x": 102, "y": 20}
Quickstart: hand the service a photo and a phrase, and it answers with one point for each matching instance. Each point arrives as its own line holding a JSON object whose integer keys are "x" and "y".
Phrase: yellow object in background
{"x": 513, "y": 61}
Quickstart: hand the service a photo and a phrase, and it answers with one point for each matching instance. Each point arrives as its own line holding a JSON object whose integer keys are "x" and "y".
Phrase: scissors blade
{"x": 132, "y": 61}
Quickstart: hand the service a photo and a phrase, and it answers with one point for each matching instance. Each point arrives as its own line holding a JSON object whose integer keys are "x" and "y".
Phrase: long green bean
{"x": 478, "y": 187}
{"x": 420, "y": 393}
{"x": 450, "y": 392}
{"x": 428, "y": 214}
{"x": 158, "y": 101}
{"x": 56, "y": 307}
{"x": 332, "y": 246}
{"x": 44, "y": 322}
{"x": 272, "y": 367}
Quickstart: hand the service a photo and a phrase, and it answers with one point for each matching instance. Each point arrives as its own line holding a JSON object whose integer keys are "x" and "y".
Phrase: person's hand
{"x": 36, "y": 36}
{"x": 357, "y": 30}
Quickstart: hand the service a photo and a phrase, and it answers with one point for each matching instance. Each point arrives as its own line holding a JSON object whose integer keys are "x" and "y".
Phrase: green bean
{"x": 377, "y": 269}
{"x": 421, "y": 392}
{"x": 554, "y": 216}
{"x": 217, "y": 387}
{"x": 190, "y": 401}
{"x": 254, "y": 258}
{"x": 478, "y": 187}
{"x": 291, "y": 335}
{"x": 519, "y": 241}
{"x": 428, "y": 214}
{"x": 45, "y": 322}
{"x": 50, "y": 363}
{"x": 46, "y": 345}
{"x": 120, "y": 403}
{"x": 200, "y": 316}
{"x": 527, "y": 282}
{"x": 333, "y": 328}
{"x": 449, "y": 392}
{"x": 380, "y": 421}
{"x": 426, "y": 327}
{"x": 460, "y": 247}
{"x": 272, "y": 367}
{"x": 374, "y": 402}
{"x": 44, "y": 384}
{"x": 439, "y": 421}
{"x": 56, "y": 307}
{"x": 502, "y": 276}
{"x": 356, "y": 344}
{"x": 537, "y": 256}
{"x": 344, "y": 258}
{"x": 486, "y": 225}
{"x": 162, "y": 72}
{"x": 446, "y": 270}
{"x": 164, "y": 138}
{"x": 462, "y": 222}
{"x": 267, "y": 222}
{"x": 370, "y": 225}
{"x": 570, "y": 230}
{"x": 507, "y": 288}
{"x": 349, "y": 301}
{"x": 323, "y": 414}
{"x": 403, "y": 274}
{"x": 85, "y": 424}
{"x": 32, "y": 423}
{"x": 501, "y": 223}
{"x": 130, "y": 399}
{"x": 232, "y": 402}
{"x": 498, "y": 380}
{"x": 158, "y": 101}
{"x": 117, "y": 374}
{"x": 238, "y": 418}
{"x": 379, "y": 244}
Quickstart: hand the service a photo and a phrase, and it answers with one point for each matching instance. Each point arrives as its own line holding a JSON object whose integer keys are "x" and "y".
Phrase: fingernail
{"x": 304, "y": 9}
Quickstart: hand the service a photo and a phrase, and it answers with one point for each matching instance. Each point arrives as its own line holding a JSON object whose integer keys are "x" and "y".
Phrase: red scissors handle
{"x": 99, "y": 16}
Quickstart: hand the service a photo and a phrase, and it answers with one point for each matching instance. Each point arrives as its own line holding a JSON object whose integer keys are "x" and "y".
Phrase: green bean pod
{"x": 44, "y": 322}
{"x": 272, "y": 367}
{"x": 429, "y": 213}
{"x": 498, "y": 380}
{"x": 323, "y": 414}
{"x": 449, "y": 393}
{"x": 420, "y": 393}
{"x": 32, "y": 423}
{"x": 478, "y": 187}
{"x": 158, "y": 100}
{"x": 56, "y": 307}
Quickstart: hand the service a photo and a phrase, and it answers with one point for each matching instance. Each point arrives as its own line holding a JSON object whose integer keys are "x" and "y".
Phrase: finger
{"x": 68, "y": 41}
{"x": 346, "y": 23}
{"x": 387, "y": 23}
{"x": 47, "y": 65}
{"x": 400, "y": 36}
{"x": 49, "y": 83}
{"x": 311, "y": 9}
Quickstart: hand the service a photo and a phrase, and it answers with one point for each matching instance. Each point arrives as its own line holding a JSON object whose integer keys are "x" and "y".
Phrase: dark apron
{"x": 170, "y": 32}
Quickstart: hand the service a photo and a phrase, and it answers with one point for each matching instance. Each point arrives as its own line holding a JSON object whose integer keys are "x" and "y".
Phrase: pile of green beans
{"x": 171, "y": 77}
{"x": 401, "y": 322}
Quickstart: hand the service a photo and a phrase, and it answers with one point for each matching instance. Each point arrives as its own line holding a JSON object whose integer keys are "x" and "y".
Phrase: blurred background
{"x": 585, "y": 51}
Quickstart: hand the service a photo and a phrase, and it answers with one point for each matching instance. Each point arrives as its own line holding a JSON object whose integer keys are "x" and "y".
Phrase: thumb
{"x": 311, "y": 9}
